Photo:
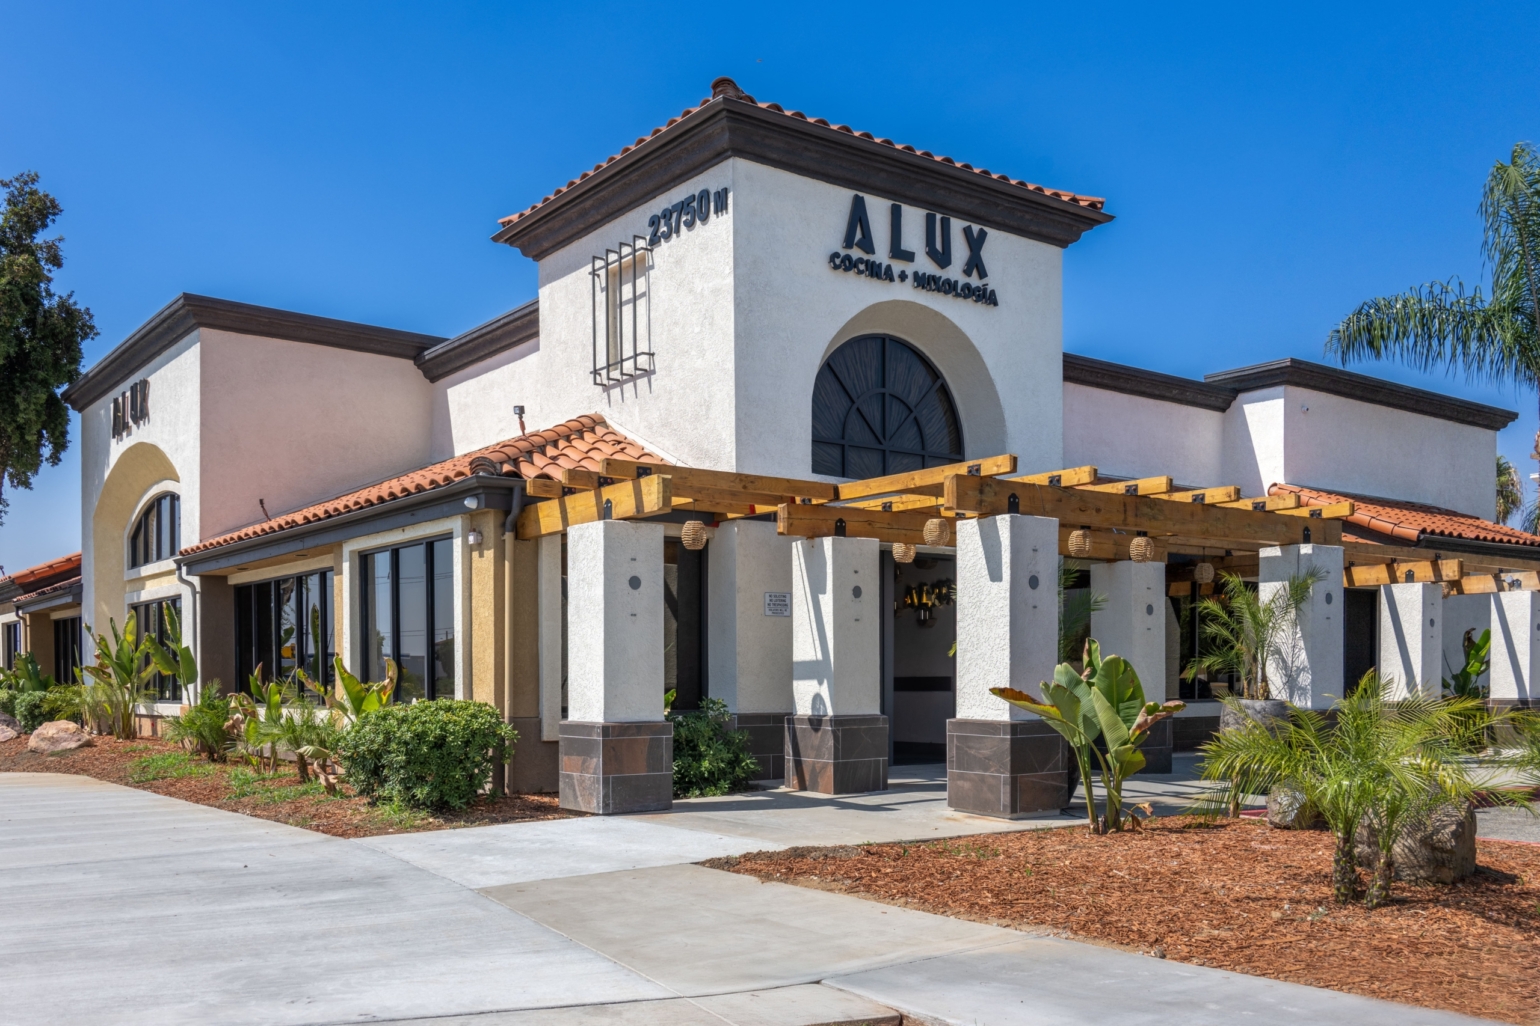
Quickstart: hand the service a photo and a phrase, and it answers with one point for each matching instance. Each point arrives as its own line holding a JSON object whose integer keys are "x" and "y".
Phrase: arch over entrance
{"x": 880, "y": 407}
{"x": 136, "y": 472}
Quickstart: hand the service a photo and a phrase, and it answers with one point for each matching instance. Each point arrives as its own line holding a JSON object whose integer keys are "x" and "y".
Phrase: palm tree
{"x": 1510, "y": 491}
{"x": 1244, "y": 630}
{"x": 1441, "y": 325}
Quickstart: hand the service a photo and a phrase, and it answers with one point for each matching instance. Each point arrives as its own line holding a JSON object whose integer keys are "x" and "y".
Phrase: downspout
{"x": 197, "y": 647}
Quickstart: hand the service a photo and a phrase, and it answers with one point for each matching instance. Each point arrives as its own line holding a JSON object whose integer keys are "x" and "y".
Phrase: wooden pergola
{"x": 1216, "y": 525}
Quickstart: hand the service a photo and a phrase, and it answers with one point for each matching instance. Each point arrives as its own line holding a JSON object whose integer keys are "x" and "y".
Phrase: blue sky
{"x": 1269, "y": 167}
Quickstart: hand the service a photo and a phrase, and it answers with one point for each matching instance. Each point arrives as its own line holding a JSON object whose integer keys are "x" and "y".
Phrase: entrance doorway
{"x": 924, "y": 635}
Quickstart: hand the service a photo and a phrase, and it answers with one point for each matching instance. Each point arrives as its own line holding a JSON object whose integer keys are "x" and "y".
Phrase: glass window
{"x": 408, "y": 616}
{"x": 66, "y": 648}
{"x": 157, "y": 533}
{"x": 285, "y": 625}
{"x": 10, "y": 638}
{"x": 150, "y": 620}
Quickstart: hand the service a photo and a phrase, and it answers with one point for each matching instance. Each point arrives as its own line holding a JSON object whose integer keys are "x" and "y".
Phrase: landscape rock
{"x": 1286, "y": 810}
{"x": 58, "y": 736}
{"x": 6, "y": 733}
{"x": 7, "y": 720}
{"x": 1270, "y": 712}
{"x": 1439, "y": 848}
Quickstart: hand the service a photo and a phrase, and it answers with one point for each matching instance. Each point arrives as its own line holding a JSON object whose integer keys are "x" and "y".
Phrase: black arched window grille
{"x": 879, "y": 407}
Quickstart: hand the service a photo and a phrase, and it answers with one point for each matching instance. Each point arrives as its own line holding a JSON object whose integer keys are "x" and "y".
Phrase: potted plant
{"x": 1243, "y": 632}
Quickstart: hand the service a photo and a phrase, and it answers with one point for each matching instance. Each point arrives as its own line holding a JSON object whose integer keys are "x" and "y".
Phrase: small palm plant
{"x": 1383, "y": 764}
{"x": 1244, "y": 630}
{"x": 1105, "y": 702}
{"x": 120, "y": 675}
{"x": 352, "y": 697}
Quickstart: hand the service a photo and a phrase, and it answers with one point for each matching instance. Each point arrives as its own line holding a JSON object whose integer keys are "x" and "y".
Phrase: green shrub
{"x": 204, "y": 727}
{"x": 30, "y": 711}
{"x": 427, "y": 755}
{"x": 8, "y": 702}
{"x": 710, "y": 759}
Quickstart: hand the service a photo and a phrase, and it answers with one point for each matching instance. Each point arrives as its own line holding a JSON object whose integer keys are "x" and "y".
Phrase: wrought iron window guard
{"x": 621, "y": 293}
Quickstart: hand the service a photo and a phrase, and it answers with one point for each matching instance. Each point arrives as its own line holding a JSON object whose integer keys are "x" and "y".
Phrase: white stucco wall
{"x": 749, "y": 651}
{"x": 294, "y": 423}
{"x": 1303, "y": 437}
{"x": 615, "y": 622}
{"x": 1132, "y": 436}
{"x": 836, "y": 600}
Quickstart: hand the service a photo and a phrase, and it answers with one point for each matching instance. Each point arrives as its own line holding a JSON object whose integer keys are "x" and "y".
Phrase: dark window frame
{"x": 10, "y": 643}
{"x": 872, "y": 419}
{"x": 68, "y": 641}
{"x": 157, "y": 531}
{"x": 259, "y": 623}
{"x": 434, "y": 620}
{"x": 150, "y": 619}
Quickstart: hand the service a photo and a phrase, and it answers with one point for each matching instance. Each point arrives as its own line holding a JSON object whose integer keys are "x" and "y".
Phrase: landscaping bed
{"x": 1235, "y": 895}
{"x": 152, "y": 765}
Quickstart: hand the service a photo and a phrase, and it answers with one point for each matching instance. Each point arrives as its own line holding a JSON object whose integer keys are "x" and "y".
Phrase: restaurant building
{"x": 749, "y": 291}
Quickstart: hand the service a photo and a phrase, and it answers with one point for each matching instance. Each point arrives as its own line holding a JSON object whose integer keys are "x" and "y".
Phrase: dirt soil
{"x": 1236, "y": 896}
{"x": 281, "y": 797}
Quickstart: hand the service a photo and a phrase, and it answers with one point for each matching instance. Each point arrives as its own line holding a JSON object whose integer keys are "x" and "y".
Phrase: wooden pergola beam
{"x": 1372, "y": 554}
{"x": 1214, "y": 496}
{"x": 759, "y": 489}
{"x": 1492, "y": 584}
{"x": 896, "y": 503}
{"x": 1079, "y": 507}
{"x": 1106, "y": 547}
{"x": 1423, "y": 572}
{"x": 928, "y": 481}
{"x": 1140, "y": 486}
{"x": 1335, "y": 511}
{"x": 1071, "y": 477}
{"x": 1267, "y": 503}
{"x": 641, "y": 498}
{"x": 821, "y": 521}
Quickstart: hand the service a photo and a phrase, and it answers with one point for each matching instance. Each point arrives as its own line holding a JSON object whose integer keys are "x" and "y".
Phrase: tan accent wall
{"x": 535, "y": 765}
{"x": 139, "y": 467}
{"x": 485, "y": 568}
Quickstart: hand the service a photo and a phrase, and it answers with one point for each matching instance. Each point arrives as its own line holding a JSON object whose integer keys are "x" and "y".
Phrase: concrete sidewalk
{"x": 126, "y": 907}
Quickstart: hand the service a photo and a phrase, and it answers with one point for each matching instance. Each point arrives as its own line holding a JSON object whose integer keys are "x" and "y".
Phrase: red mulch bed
{"x": 112, "y": 760}
{"x": 1236, "y": 895}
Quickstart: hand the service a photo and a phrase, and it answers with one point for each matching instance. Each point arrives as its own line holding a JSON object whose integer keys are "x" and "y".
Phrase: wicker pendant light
{"x": 1080, "y": 543}
{"x": 1141, "y": 549}
{"x": 938, "y": 531}
{"x": 693, "y": 535}
{"x": 1203, "y": 573}
{"x": 903, "y": 552}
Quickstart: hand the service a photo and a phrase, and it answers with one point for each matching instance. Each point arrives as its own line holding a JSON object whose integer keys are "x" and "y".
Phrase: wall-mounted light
{"x": 473, "y": 537}
{"x": 472, "y": 502}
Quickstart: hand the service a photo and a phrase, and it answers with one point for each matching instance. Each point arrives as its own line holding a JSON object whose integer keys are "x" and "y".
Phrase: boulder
{"x": 7, "y": 720}
{"x": 1437, "y": 848}
{"x": 58, "y": 736}
{"x": 1270, "y": 712}
{"x": 1286, "y": 810}
{"x": 6, "y": 733}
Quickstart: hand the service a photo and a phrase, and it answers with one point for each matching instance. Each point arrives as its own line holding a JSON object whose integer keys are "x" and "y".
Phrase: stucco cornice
{"x": 1335, "y": 381}
{"x": 187, "y": 312}
{"x": 1168, "y": 388}
{"x": 727, "y": 127}
{"x": 517, "y": 326}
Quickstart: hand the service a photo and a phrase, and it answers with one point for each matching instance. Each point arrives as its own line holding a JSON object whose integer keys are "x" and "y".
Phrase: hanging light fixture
{"x": 1080, "y": 543}
{"x": 903, "y": 552}
{"x": 938, "y": 531}
{"x": 1141, "y": 549}
{"x": 1203, "y": 573}
{"x": 693, "y": 535}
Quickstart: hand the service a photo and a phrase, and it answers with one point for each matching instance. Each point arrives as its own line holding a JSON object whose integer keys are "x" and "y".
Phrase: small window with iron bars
{"x": 622, "y": 313}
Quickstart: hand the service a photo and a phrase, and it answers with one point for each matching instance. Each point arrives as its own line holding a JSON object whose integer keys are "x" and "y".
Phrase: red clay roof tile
{"x": 43, "y": 571}
{"x": 576, "y": 443}
{"x": 1089, "y": 202}
{"x": 1407, "y": 522}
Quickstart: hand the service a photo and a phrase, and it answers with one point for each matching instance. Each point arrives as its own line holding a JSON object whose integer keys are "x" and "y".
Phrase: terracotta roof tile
{"x": 1408, "y": 522}
{"x": 54, "y": 567}
{"x": 73, "y": 582}
{"x": 731, "y": 90}
{"x": 579, "y": 444}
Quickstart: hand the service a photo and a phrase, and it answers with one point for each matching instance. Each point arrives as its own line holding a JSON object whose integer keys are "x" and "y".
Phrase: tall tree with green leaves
{"x": 1440, "y": 324}
{"x": 1510, "y": 490}
{"x": 41, "y": 335}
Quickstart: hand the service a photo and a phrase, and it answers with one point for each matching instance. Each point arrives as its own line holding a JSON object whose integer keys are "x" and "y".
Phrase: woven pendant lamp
{"x": 903, "y": 552}
{"x": 1080, "y": 543}
{"x": 1203, "y": 573}
{"x": 938, "y": 531}
{"x": 1141, "y": 549}
{"x": 693, "y": 535}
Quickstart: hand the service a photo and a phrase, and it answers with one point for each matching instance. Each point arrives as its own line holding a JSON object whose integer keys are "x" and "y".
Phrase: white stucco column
{"x": 749, "y": 629}
{"x": 1306, "y": 671}
{"x": 549, "y": 610}
{"x": 1515, "y": 673}
{"x": 615, "y": 622}
{"x": 1412, "y": 638}
{"x": 1132, "y": 623}
{"x": 1007, "y": 611}
{"x": 836, "y": 633}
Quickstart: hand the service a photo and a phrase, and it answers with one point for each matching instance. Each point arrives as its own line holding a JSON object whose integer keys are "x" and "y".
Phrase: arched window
{"x": 158, "y": 531}
{"x": 879, "y": 407}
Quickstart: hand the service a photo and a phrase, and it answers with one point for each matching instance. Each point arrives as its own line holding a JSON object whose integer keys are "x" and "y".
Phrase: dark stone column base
{"x": 767, "y": 741}
{"x": 536, "y": 765}
{"x": 837, "y": 754}
{"x": 1157, "y": 748}
{"x": 610, "y": 768}
{"x": 1188, "y": 732}
{"x": 1011, "y": 769}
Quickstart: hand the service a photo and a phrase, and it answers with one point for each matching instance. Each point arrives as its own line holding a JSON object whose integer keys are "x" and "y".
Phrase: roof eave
{"x": 726, "y": 128}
